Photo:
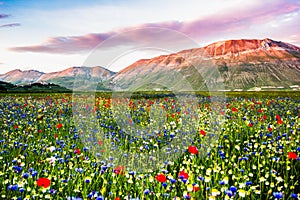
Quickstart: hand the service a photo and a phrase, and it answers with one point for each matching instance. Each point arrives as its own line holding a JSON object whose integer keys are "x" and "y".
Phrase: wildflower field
{"x": 256, "y": 154}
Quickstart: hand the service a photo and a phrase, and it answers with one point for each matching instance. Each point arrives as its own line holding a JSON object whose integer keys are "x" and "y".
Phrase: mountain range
{"x": 244, "y": 64}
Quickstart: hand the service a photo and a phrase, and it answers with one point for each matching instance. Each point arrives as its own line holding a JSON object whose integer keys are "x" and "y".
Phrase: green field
{"x": 85, "y": 146}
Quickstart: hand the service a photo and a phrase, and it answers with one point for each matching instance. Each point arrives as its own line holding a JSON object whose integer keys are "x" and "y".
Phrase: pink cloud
{"x": 214, "y": 25}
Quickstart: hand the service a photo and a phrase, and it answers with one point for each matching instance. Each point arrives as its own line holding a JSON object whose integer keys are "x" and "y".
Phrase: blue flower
{"x": 294, "y": 196}
{"x": 278, "y": 195}
{"x": 14, "y": 187}
{"x": 147, "y": 191}
{"x": 74, "y": 198}
{"x": 233, "y": 189}
{"x": 229, "y": 193}
{"x": 187, "y": 196}
{"x": 248, "y": 183}
{"x": 34, "y": 173}
{"x": 25, "y": 175}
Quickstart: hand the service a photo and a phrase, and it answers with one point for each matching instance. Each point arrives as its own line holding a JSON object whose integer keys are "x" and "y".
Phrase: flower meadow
{"x": 256, "y": 154}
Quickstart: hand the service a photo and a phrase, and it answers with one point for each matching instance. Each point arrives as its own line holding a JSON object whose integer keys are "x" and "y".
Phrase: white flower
{"x": 52, "y": 148}
{"x": 51, "y": 160}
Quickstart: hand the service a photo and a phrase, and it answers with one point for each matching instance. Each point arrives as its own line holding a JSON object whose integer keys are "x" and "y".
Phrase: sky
{"x": 53, "y": 35}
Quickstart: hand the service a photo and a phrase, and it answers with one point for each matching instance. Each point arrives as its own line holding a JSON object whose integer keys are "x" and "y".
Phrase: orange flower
{"x": 196, "y": 188}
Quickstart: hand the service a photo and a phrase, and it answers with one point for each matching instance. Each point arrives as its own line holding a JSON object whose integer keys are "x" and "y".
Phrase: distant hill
{"x": 67, "y": 77}
{"x": 32, "y": 88}
{"x": 63, "y": 78}
{"x": 21, "y": 77}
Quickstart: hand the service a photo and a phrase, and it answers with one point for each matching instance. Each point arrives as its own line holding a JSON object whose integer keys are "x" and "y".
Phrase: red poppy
{"x": 250, "y": 124}
{"x": 43, "y": 182}
{"x": 117, "y": 198}
{"x": 265, "y": 116}
{"x": 278, "y": 117}
{"x": 16, "y": 126}
{"x": 55, "y": 135}
{"x": 196, "y": 188}
{"x": 193, "y": 150}
{"x": 202, "y": 132}
{"x": 292, "y": 155}
{"x": 260, "y": 110}
{"x": 161, "y": 178}
{"x": 270, "y": 129}
{"x": 234, "y": 109}
{"x": 100, "y": 142}
{"x": 119, "y": 170}
{"x": 279, "y": 121}
{"x": 183, "y": 174}
{"x": 77, "y": 151}
{"x": 59, "y": 126}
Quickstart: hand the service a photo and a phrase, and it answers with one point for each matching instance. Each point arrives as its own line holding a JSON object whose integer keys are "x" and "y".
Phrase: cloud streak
{"x": 218, "y": 24}
{"x": 10, "y": 25}
{"x": 2, "y": 16}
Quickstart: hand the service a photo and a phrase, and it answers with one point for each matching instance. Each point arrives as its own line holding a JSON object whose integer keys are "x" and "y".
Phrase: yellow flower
{"x": 190, "y": 187}
{"x": 242, "y": 193}
{"x": 151, "y": 179}
{"x": 262, "y": 179}
{"x": 215, "y": 192}
{"x": 226, "y": 180}
{"x": 208, "y": 171}
{"x": 207, "y": 179}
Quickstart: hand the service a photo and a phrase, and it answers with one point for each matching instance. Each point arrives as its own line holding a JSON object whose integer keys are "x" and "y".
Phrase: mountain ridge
{"x": 242, "y": 63}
